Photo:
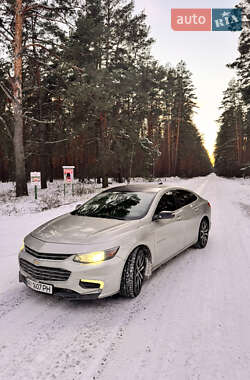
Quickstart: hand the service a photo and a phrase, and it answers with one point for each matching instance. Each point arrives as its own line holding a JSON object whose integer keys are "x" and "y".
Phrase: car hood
{"x": 75, "y": 229}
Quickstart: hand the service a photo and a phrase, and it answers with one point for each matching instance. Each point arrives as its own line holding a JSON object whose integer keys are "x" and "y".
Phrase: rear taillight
{"x": 208, "y": 204}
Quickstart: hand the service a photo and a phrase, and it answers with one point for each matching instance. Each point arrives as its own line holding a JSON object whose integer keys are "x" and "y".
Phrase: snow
{"x": 191, "y": 321}
{"x": 48, "y": 198}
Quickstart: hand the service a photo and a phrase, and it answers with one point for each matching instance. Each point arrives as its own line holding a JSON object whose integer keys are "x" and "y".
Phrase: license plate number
{"x": 39, "y": 287}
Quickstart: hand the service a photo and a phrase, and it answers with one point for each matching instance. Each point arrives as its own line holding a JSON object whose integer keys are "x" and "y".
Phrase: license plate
{"x": 39, "y": 287}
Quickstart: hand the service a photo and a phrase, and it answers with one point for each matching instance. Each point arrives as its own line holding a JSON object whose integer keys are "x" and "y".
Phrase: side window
{"x": 192, "y": 197}
{"x": 183, "y": 198}
{"x": 166, "y": 203}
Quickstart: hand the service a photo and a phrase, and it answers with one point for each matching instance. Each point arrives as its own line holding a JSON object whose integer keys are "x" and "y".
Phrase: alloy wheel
{"x": 204, "y": 233}
{"x": 140, "y": 266}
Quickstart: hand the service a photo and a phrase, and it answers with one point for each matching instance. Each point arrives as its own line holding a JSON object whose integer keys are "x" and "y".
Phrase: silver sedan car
{"x": 114, "y": 241}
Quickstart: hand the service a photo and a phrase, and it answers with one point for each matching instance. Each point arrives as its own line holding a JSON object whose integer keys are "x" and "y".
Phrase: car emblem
{"x": 36, "y": 262}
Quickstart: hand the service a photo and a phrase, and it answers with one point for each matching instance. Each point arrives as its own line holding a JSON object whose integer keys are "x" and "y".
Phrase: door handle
{"x": 195, "y": 208}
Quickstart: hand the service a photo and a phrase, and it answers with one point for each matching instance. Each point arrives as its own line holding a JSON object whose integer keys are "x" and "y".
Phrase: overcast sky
{"x": 206, "y": 55}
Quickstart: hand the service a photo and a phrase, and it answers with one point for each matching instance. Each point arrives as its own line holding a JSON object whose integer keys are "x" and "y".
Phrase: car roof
{"x": 147, "y": 188}
{"x": 151, "y": 188}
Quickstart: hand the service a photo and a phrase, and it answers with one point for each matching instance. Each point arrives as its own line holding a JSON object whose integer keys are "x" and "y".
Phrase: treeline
{"x": 232, "y": 151}
{"x": 82, "y": 88}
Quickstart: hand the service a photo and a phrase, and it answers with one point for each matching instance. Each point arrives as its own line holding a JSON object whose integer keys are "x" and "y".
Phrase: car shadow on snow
{"x": 53, "y": 300}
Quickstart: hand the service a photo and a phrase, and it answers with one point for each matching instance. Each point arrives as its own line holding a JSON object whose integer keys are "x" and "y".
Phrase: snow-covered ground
{"x": 51, "y": 197}
{"x": 191, "y": 320}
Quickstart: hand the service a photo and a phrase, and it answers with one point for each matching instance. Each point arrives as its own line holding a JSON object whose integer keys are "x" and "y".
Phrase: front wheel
{"x": 133, "y": 274}
{"x": 203, "y": 234}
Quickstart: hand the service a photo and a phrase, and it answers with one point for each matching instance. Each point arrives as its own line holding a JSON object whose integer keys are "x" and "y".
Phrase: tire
{"x": 203, "y": 234}
{"x": 133, "y": 274}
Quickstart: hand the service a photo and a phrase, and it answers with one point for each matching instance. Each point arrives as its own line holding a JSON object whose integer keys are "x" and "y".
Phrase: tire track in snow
{"x": 11, "y": 299}
{"x": 55, "y": 338}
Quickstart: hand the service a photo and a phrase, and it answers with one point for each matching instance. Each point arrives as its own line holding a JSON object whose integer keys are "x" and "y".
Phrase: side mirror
{"x": 77, "y": 206}
{"x": 164, "y": 215}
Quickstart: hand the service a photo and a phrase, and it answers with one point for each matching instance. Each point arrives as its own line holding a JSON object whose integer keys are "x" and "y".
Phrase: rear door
{"x": 188, "y": 205}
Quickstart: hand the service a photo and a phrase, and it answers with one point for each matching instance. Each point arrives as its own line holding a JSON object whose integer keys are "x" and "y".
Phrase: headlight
{"x": 96, "y": 257}
{"x": 22, "y": 247}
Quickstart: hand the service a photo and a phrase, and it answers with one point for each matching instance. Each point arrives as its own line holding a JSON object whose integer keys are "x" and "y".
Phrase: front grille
{"x": 47, "y": 256}
{"x": 44, "y": 273}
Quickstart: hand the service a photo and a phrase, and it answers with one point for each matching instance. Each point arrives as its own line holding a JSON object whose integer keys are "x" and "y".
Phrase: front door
{"x": 168, "y": 232}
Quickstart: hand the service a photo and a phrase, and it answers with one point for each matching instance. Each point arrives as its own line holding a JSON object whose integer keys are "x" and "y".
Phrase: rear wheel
{"x": 133, "y": 274}
{"x": 203, "y": 234}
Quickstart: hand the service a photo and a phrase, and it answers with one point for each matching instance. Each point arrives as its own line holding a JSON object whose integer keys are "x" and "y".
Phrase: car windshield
{"x": 117, "y": 205}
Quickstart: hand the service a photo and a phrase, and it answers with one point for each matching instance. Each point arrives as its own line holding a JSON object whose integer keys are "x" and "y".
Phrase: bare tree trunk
{"x": 51, "y": 169}
{"x": 103, "y": 149}
{"x": 169, "y": 149}
{"x": 177, "y": 143}
{"x": 105, "y": 181}
{"x": 173, "y": 139}
{"x": 238, "y": 140}
{"x": 50, "y": 158}
{"x": 150, "y": 127}
{"x": 131, "y": 160}
{"x": 21, "y": 185}
{"x": 119, "y": 176}
{"x": 43, "y": 157}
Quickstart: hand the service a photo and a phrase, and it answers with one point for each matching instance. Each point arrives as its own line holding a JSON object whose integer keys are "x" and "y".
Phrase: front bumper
{"x": 66, "y": 293}
{"x": 108, "y": 272}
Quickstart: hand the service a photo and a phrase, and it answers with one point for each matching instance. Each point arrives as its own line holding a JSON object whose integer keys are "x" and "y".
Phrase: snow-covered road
{"x": 191, "y": 321}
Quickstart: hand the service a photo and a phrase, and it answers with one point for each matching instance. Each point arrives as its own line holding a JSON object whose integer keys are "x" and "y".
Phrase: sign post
{"x": 68, "y": 176}
{"x": 35, "y": 179}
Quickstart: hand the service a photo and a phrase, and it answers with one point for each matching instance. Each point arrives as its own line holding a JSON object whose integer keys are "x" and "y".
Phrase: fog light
{"x": 91, "y": 284}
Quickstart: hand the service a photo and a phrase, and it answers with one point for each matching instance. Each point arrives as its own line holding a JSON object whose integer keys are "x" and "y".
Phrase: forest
{"x": 79, "y": 86}
{"x": 232, "y": 148}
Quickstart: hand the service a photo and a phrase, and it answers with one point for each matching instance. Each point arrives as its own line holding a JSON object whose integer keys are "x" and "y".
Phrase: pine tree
{"x": 112, "y": 42}
{"x": 26, "y": 27}
{"x": 230, "y": 143}
{"x": 242, "y": 63}
{"x": 178, "y": 132}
